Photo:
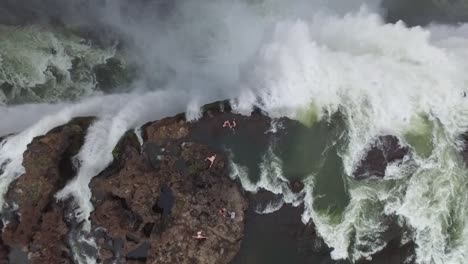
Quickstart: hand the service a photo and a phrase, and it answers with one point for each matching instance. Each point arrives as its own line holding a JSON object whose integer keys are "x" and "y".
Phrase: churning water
{"x": 40, "y": 65}
{"x": 348, "y": 76}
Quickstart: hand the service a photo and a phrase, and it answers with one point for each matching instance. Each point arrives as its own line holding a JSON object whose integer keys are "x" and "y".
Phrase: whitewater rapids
{"x": 383, "y": 78}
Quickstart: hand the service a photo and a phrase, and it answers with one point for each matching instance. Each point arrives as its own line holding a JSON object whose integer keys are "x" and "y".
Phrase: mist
{"x": 196, "y": 47}
{"x": 200, "y": 48}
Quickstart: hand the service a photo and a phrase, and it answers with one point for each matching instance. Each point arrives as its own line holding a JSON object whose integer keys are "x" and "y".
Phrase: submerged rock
{"x": 296, "y": 186}
{"x": 384, "y": 151}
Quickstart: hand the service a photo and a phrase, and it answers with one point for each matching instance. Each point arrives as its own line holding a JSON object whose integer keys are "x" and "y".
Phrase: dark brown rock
{"x": 40, "y": 230}
{"x": 385, "y": 150}
{"x": 170, "y": 216}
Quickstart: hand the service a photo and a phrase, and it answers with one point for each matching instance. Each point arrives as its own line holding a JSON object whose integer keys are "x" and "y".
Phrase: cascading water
{"x": 382, "y": 79}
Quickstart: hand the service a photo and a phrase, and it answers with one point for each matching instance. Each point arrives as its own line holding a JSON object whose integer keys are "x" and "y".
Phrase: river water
{"x": 338, "y": 68}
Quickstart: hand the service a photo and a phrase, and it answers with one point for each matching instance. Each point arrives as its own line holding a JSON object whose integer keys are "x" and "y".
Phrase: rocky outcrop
{"x": 36, "y": 227}
{"x": 384, "y": 151}
{"x": 154, "y": 199}
{"x": 150, "y": 203}
{"x": 169, "y": 173}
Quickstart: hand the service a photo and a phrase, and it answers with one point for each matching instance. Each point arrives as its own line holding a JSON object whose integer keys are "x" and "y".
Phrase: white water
{"x": 269, "y": 208}
{"x": 381, "y": 76}
{"x": 11, "y": 152}
{"x": 139, "y": 136}
{"x": 104, "y": 134}
{"x": 271, "y": 179}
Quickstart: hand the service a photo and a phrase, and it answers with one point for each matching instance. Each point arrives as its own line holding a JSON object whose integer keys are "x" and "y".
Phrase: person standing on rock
{"x": 200, "y": 236}
{"x": 232, "y": 215}
{"x": 211, "y": 160}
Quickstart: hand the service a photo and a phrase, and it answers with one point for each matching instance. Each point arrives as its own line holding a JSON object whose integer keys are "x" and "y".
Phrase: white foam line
{"x": 11, "y": 152}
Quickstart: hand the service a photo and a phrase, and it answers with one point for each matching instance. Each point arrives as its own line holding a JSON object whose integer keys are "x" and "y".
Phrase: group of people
{"x": 230, "y": 125}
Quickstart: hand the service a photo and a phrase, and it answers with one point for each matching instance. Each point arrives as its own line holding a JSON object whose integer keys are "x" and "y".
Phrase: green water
{"x": 38, "y": 64}
{"x": 420, "y": 135}
{"x": 310, "y": 153}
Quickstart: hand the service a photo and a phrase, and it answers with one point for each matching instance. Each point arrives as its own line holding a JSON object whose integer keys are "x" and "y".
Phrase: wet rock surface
{"x": 384, "y": 151}
{"x": 36, "y": 226}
